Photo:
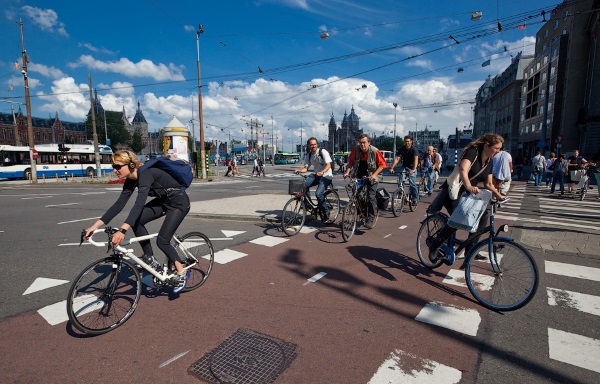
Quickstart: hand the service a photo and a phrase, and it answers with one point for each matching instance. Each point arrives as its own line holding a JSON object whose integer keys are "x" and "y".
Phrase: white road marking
{"x": 75, "y": 221}
{"x": 391, "y": 371}
{"x": 403, "y": 227}
{"x": 388, "y": 235}
{"x": 227, "y": 255}
{"x": 457, "y": 277}
{"x": 307, "y": 229}
{"x": 232, "y": 233}
{"x": 551, "y": 222}
{"x": 572, "y": 270}
{"x": 38, "y": 197}
{"x": 268, "y": 241}
{"x": 463, "y": 320}
{"x": 173, "y": 359}
{"x": 57, "y": 313}
{"x": 42, "y": 283}
{"x": 315, "y": 277}
{"x": 575, "y": 300}
{"x": 60, "y": 205}
{"x": 570, "y": 348}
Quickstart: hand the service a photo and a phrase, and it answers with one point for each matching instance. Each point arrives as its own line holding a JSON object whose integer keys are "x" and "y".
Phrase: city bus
{"x": 454, "y": 150}
{"x": 286, "y": 158}
{"x": 79, "y": 160}
{"x": 388, "y": 156}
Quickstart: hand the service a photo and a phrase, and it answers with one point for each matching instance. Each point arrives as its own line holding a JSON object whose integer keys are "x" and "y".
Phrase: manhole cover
{"x": 245, "y": 357}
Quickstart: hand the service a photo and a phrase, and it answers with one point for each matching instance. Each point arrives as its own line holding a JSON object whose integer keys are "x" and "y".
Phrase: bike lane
{"x": 357, "y": 312}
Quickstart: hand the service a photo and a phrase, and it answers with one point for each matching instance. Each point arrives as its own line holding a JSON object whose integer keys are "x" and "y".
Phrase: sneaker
{"x": 480, "y": 257}
{"x": 178, "y": 281}
{"x": 428, "y": 193}
{"x": 449, "y": 254}
{"x": 151, "y": 261}
{"x": 370, "y": 224}
{"x": 325, "y": 218}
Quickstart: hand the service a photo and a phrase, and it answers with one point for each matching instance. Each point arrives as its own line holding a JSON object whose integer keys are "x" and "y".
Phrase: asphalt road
{"x": 357, "y": 312}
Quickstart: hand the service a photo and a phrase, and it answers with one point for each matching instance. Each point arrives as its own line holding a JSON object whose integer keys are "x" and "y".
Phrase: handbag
{"x": 577, "y": 174}
{"x": 469, "y": 210}
{"x": 454, "y": 181}
{"x": 553, "y": 165}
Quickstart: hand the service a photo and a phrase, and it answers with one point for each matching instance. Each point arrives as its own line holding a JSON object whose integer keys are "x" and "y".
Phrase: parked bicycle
{"x": 294, "y": 213}
{"x": 499, "y": 272}
{"x": 106, "y": 293}
{"x": 357, "y": 208}
{"x": 401, "y": 196}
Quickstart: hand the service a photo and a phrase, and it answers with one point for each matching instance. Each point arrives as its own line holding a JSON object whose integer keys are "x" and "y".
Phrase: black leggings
{"x": 174, "y": 207}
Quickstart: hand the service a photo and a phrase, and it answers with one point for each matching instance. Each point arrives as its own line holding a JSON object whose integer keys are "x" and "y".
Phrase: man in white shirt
{"x": 320, "y": 160}
{"x": 437, "y": 166}
{"x": 256, "y": 168}
{"x": 501, "y": 170}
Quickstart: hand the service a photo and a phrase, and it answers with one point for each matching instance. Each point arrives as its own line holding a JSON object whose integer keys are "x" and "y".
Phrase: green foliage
{"x": 136, "y": 142}
{"x": 117, "y": 133}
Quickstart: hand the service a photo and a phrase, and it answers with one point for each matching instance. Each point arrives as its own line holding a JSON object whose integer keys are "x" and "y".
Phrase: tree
{"x": 136, "y": 142}
{"x": 117, "y": 133}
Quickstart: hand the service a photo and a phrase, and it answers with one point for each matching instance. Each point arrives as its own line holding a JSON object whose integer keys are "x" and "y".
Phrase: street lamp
{"x": 395, "y": 108}
{"x": 201, "y": 127}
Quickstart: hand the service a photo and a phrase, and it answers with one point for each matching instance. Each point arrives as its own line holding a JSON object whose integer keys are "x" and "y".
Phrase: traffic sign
{"x": 35, "y": 154}
{"x": 558, "y": 139}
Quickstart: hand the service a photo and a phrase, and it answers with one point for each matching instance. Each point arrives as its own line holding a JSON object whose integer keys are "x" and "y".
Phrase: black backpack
{"x": 322, "y": 159}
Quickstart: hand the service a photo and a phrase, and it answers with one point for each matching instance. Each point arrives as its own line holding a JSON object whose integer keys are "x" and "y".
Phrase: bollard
{"x": 44, "y": 179}
{"x": 72, "y": 177}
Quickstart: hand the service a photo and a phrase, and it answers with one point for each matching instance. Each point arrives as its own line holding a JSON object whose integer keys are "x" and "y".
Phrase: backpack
{"x": 179, "y": 169}
{"x": 322, "y": 159}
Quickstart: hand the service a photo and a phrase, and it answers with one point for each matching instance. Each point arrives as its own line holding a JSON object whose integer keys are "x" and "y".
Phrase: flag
{"x": 521, "y": 26}
{"x": 485, "y": 63}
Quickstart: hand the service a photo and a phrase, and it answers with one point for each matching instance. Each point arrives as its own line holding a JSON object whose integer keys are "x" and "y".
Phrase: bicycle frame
{"x": 121, "y": 251}
{"x": 490, "y": 230}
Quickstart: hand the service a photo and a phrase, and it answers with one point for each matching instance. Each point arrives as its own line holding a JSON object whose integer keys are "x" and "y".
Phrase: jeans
{"x": 548, "y": 178}
{"x": 430, "y": 173}
{"x": 412, "y": 181}
{"x": 372, "y": 194}
{"x": 558, "y": 177}
{"x": 323, "y": 183}
{"x": 538, "y": 176}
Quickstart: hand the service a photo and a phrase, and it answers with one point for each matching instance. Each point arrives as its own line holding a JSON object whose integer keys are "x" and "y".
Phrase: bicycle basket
{"x": 296, "y": 187}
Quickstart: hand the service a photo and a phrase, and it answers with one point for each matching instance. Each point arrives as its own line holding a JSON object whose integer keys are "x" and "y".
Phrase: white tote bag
{"x": 470, "y": 209}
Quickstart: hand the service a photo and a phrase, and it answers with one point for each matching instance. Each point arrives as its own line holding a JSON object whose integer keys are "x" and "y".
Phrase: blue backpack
{"x": 179, "y": 169}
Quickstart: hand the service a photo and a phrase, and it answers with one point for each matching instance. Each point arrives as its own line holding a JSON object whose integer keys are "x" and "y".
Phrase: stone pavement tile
{"x": 547, "y": 247}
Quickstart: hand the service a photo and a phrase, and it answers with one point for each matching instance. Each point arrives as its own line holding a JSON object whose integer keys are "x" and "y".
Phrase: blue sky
{"x": 264, "y": 59}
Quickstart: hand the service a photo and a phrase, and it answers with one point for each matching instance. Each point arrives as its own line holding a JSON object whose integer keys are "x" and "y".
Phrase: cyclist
{"x": 475, "y": 166}
{"x": 437, "y": 166}
{"x": 323, "y": 175}
{"x": 427, "y": 166}
{"x": 367, "y": 161}
{"x": 575, "y": 162}
{"x": 170, "y": 201}
{"x": 410, "y": 160}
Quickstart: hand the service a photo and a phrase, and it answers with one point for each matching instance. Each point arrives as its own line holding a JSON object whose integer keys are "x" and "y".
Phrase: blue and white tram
{"x": 79, "y": 160}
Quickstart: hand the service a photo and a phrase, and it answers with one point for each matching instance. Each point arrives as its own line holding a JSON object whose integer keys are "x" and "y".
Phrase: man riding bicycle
{"x": 410, "y": 161}
{"x": 367, "y": 161}
{"x": 323, "y": 175}
{"x": 170, "y": 201}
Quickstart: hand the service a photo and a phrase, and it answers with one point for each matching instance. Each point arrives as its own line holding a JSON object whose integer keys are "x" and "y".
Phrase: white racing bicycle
{"x": 105, "y": 294}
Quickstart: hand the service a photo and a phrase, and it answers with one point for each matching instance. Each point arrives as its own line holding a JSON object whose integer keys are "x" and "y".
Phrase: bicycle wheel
{"x": 332, "y": 200}
{"x": 430, "y": 226}
{"x": 104, "y": 295}
{"x": 349, "y": 218}
{"x": 196, "y": 248}
{"x": 293, "y": 216}
{"x": 397, "y": 202}
{"x": 508, "y": 281}
{"x": 584, "y": 190}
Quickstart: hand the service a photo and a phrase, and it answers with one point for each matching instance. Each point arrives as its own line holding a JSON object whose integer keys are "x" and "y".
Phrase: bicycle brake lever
{"x": 82, "y": 236}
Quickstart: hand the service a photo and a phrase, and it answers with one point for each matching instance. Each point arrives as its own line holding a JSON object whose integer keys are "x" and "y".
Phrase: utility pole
{"x": 272, "y": 147}
{"x": 395, "y": 108}
{"x": 94, "y": 133}
{"x": 28, "y": 106}
{"x": 201, "y": 127}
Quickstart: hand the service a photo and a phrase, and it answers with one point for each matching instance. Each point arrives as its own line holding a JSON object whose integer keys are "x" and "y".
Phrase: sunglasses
{"x": 118, "y": 166}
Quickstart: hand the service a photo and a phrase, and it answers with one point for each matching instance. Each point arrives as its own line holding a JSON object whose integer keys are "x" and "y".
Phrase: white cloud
{"x": 189, "y": 28}
{"x": 45, "y": 70}
{"x": 96, "y": 49}
{"x": 69, "y": 99}
{"x": 46, "y": 19}
{"x": 124, "y": 66}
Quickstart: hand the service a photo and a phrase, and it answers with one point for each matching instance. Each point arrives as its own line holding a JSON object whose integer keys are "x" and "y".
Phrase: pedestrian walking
{"x": 559, "y": 174}
{"x": 538, "y": 165}
{"x": 502, "y": 171}
{"x": 550, "y": 168}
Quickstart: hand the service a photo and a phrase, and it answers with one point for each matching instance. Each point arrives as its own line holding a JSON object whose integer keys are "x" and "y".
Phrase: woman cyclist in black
{"x": 169, "y": 201}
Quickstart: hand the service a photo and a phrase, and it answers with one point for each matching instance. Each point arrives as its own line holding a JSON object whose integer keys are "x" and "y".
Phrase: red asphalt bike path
{"x": 345, "y": 324}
